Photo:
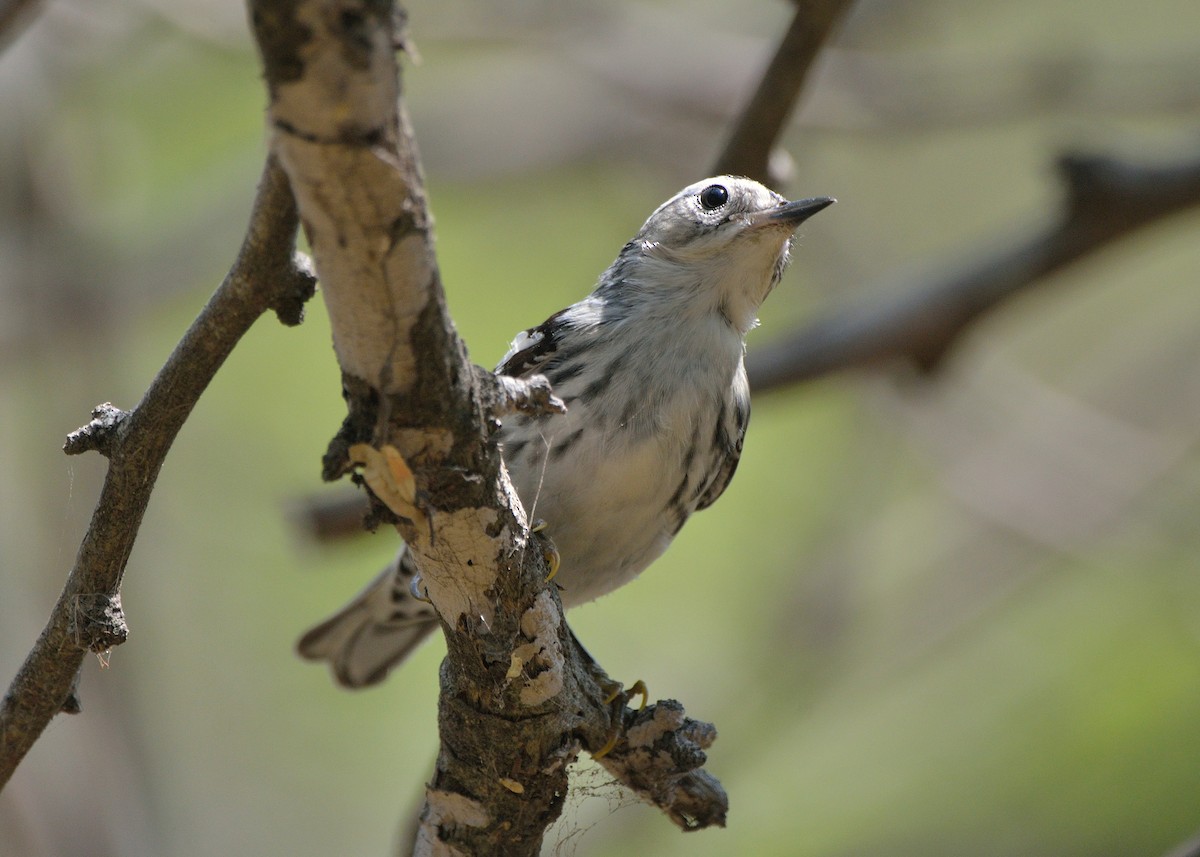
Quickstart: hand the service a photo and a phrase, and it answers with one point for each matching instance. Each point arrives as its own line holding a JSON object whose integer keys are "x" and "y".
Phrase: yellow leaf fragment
{"x": 389, "y": 477}
{"x": 512, "y": 785}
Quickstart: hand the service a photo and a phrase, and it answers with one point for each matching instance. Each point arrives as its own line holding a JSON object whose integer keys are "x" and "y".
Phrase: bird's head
{"x": 723, "y": 242}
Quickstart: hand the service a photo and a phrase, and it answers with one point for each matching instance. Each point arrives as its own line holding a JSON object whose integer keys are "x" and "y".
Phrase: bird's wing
{"x": 730, "y": 436}
{"x": 532, "y": 348}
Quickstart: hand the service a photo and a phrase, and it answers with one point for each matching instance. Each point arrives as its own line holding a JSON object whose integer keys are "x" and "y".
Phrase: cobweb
{"x": 594, "y": 797}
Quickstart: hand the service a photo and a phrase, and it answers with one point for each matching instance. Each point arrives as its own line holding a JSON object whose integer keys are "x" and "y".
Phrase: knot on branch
{"x": 100, "y": 434}
{"x": 660, "y": 760}
{"x": 97, "y": 621}
{"x": 298, "y": 288}
{"x": 532, "y": 396}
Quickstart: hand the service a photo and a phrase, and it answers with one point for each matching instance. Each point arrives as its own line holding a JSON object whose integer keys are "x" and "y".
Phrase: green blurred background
{"x": 955, "y": 616}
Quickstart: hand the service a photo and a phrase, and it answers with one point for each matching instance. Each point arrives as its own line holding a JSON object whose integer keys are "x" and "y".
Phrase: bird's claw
{"x": 619, "y": 698}
{"x": 638, "y": 688}
{"x": 550, "y": 554}
{"x": 549, "y": 551}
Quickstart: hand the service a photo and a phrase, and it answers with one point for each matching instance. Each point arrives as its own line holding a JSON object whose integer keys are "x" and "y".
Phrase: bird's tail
{"x": 374, "y": 632}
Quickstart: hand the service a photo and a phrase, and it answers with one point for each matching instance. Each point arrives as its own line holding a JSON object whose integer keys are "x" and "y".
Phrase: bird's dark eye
{"x": 713, "y": 197}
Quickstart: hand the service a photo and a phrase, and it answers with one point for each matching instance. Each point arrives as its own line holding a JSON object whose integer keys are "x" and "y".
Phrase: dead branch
{"x": 1105, "y": 199}
{"x": 88, "y": 616}
{"x": 752, "y": 141}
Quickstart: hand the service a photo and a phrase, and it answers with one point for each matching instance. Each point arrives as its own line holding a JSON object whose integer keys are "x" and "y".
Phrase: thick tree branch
{"x": 266, "y": 275}
{"x": 1105, "y": 200}
{"x": 748, "y": 150}
{"x": 519, "y": 697}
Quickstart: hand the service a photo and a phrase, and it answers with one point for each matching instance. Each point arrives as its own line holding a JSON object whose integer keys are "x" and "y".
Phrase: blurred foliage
{"x": 949, "y": 616}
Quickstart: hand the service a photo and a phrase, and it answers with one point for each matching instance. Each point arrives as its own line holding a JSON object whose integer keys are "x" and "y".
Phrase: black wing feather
{"x": 547, "y": 337}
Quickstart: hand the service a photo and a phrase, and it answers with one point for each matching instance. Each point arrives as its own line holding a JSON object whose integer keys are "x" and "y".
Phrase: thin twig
{"x": 754, "y": 135}
{"x": 87, "y": 616}
{"x": 1105, "y": 200}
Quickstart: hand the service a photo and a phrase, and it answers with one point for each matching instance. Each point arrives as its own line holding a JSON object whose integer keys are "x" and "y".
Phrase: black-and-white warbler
{"x": 650, "y": 368}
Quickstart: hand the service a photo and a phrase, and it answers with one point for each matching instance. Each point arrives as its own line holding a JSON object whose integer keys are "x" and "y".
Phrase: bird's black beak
{"x": 795, "y": 213}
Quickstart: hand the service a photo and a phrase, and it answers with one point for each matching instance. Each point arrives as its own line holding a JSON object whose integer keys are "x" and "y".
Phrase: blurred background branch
{"x": 1104, "y": 200}
{"x": 751, "y": 147}
{"x": 14, "y": 16}
{"x": 1191, "y": 848}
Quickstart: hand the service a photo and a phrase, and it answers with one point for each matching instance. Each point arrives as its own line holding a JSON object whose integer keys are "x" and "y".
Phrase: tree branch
{"x": 750, "y": 145}
{"x": 1105, "y": 200}
{"x": 88, "y": 616}
{"x": 520, "y": 698}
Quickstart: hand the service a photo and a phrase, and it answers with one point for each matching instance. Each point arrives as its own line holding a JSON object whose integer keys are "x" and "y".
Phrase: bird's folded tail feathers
{"x": 375, "y": 632}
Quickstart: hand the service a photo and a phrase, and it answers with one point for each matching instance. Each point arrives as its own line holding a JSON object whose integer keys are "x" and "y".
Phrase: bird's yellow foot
{"x": 618, "y": 691}
{"x": 549, "y": 551}
{"x": 550, "y": 554}
{"x": 619, "y": 698}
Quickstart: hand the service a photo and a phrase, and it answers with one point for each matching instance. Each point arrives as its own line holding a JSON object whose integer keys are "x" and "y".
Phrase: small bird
{"x": 650, "y": 368}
